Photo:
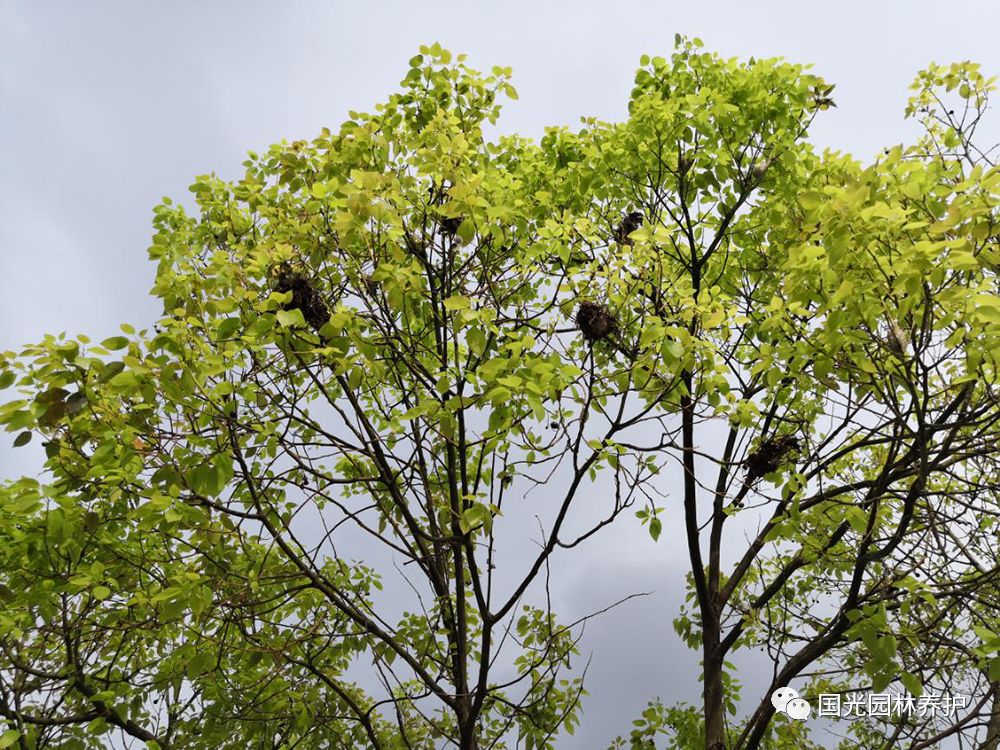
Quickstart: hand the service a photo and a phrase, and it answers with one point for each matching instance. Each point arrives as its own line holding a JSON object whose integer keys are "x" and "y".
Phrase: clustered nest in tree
{"x": 371, "y": 284}
{"x": 595, "y": 321}
{"x": 304, "y": 297}
{"x": 451, "y": 224}
{"x": 769, "y": 456}
{"x": 629, "y": 223}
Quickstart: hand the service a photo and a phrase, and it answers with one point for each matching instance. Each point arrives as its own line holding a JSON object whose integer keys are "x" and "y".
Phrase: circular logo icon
{"x": 781, "y": 696}
{"x": 797, "y": 709}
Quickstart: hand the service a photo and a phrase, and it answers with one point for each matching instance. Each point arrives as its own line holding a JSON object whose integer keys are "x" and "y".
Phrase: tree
{"x": 850, "y": 330}
{"x": 383, "y": 348}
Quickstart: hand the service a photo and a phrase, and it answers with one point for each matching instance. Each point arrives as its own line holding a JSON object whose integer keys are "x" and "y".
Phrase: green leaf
{"x": 291, "y": 318}
{"x": 912, "y": 683}
{"x": 226, "y": 328}
{"x": 988, "y": 307}
{"x": 857, "y": 518}
{"x": 811, "y": 199}
{"x": 466, "y": 231}
{"x": 655, "y": 527}
{"x": 91, "y": 521}
{"x": 457, "y": 303}
{"x": 224, "y": 470}
{"x": 110, "y": 370}
{"x": 714, "y": 319}
{"x": 9, "y": 737}
{"x": 125, "y": 379}
{"x": 474, "y": 516}
{"x": 23, "y": 439}
{"x": 115, "y": 342}
{"x": 200, "y": 664}
{"x": 7, "y": 378}
{"x": 204, "y": 480}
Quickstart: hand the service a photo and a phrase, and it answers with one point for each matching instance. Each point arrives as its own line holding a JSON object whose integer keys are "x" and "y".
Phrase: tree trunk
{"x": 992, "y": 741}
{"x": 470, "y": 740}
{"x": 715, "y": 725}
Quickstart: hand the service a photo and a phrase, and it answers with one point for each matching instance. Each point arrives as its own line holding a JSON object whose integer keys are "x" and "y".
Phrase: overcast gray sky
{"x": 107, "y": 106}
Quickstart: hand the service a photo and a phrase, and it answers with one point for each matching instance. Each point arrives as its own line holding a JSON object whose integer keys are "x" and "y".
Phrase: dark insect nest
{"x": 304, "y": 297}
{"x": 769, "y": 456}
{"x": 630, "y": 222}
{"x": 595, "y": 321}
{"x": 451, "y": 224}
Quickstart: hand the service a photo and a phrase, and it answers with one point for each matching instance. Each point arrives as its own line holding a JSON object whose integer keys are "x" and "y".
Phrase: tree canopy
{"x": 285, "y": 516}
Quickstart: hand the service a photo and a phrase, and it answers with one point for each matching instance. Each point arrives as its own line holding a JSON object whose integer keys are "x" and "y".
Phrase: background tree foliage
{"x": 379, "y": 347}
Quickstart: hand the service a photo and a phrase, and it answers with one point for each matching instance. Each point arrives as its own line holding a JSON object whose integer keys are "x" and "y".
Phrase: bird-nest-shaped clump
{"x": 305, "y": 297}
{"x": 595, "y": 321}
{"x": 629, "y": 223}
{"x": 770, "y": 455}
{"x": 450, "y": 224}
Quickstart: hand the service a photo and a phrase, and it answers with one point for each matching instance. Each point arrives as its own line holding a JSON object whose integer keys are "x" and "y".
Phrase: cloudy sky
{"x": 107, "y": 106}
